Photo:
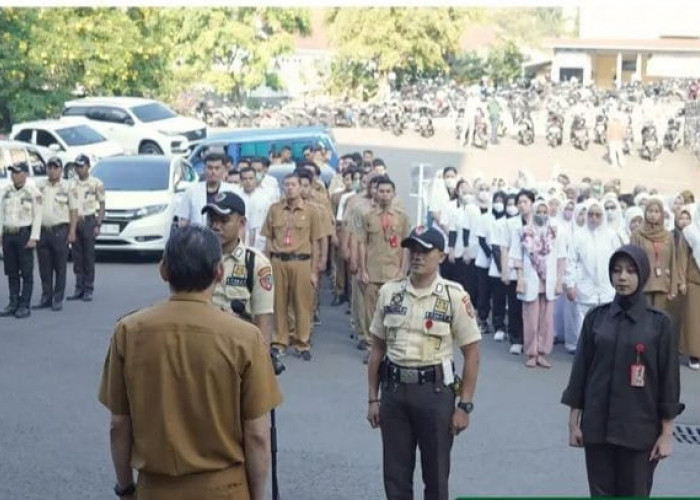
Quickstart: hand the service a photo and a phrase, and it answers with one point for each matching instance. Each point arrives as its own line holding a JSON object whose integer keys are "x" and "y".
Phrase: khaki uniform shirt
{"x": 383, "y": 244}
{"x": 234, "y": 285}
{"x": 356, "y": 213}
{"x": 189, "y": 375}
{"x": 421, "y": 326}
{"x": 662, "y": 261}
{"x": 325, "y": 219}
{"x": 58, "y": 201}
{"x": 21, "y": 207}
{"x": 291, "y": 230}
{"x": 88, "y": 194}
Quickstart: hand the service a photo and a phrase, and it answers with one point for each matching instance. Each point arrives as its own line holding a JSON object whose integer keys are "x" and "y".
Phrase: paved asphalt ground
{"x": 54, "y": 433}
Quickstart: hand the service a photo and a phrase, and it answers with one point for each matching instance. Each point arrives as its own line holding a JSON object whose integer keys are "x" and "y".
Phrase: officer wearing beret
{"x": 417, "y": 321}
{"x": 247, "y": 272}
{"x": 20, "y": 223}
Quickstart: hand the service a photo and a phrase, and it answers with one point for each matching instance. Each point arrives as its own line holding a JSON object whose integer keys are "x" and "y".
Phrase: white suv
{"x": 142, "y": 126}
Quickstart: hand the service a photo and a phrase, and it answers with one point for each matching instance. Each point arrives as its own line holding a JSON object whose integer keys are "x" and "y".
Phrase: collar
{"x": 287, "y": 206}
{"x": 634, "y": 313}
{"x": 237, "y": 253}
{"x": 436, "y": 287}
{"x": 190, "y": 297}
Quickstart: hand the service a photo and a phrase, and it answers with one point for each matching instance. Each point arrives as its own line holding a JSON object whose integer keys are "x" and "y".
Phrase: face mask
{"x": 451, "y": 183}
{"x": 568, "y": 215}
{"x": 512, "y": 210}
{"x": 610, "y": 214}
{"x": 259, "y": 177}
{"x": 484, "y": 196}
{"x": 498, "y": 207}
{"x": 540, "y": 220}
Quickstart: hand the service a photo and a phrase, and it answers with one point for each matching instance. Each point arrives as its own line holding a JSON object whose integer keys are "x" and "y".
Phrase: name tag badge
{"x": 448, "y": 376}
{"x": 637, "y": 372}
{"x": 657, "y": 271}
{"x": 394, "y": 241}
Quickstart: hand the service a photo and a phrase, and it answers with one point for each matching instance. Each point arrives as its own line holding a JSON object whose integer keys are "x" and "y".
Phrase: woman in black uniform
{"x": 625, "y": 384}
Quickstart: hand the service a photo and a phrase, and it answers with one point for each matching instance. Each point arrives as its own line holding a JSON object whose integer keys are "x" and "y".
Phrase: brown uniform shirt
{"x": 662, "y": 259}
{"x": 291, "y": 230}
{"x": 189, "y": 375}
{"x": 382, "y": 233}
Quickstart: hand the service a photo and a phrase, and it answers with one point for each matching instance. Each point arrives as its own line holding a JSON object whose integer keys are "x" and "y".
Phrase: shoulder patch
{"x": 266, "y": 280}
{"x": 264, "y": 270}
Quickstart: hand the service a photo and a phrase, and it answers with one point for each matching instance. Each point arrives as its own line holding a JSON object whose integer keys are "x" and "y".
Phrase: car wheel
{"x": 150, "y": 148}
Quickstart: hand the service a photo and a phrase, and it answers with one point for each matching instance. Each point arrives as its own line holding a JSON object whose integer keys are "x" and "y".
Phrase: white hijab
{"x": 598, "y": 240}
{"x": 692, "y": 234}
{"x": 630, "y": 214}
{"x": 617, "y": 224}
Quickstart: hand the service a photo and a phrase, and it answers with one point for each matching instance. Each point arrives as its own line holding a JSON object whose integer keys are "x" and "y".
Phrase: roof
{"x": 49, "y": 124}
{"x": 137, "y": 159}
{"x": 118, "y": 101}
{"x": 650, "y": 45}
{"x": 258, "y": 133}
{"x": 318, "y": 39}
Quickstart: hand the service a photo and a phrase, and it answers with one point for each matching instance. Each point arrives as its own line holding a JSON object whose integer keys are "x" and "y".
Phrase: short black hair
{"x": 302, "y": 173}
{"x": 447, "y": 169}
{"x": 191, "y": 257}
{"x": 368, "y": 152}
{"x": 317, "y": 169}
{"x": 357, "y": 158}
{"x": 349, "y": 172}
{"x": 228, "y": 159}
{"x": 286, "y": 148}
{"x": 627, "y": 198}
{"x": 378, "y": 162}
{"x": 234, "y": 171}
{"x": 260, "y": 159}
{"x": 527, "y": 193}
{"x": 581, "y": 198}
{"x": 248, "y": 169}
{"x": 212, "y": 157}
{"x": 306, "y": 148}
{"x": 383, "y": 179}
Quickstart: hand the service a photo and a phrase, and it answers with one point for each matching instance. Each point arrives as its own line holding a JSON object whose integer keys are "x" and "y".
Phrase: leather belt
{"x": 15, "y": 229}
{"x": 285, "y": 257}
{"x": 419, "y": 375}
{"x": 86, "y": 217}
{"x": 55, "y": 226}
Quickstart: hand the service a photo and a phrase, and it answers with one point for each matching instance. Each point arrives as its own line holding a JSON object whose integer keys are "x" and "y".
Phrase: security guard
{"x": 292, "y": 229}
{"x": 20, "y": 220}
{"x": 90, "y": 195}
{"x": 247, "y": 272}
{"x": 381, "y": 256}
{"x": 59, "y": 218}
{"x": 416, "y": 322}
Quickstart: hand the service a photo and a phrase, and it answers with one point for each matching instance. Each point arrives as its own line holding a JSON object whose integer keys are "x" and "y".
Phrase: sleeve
{"x": 316, "y": 229}
{"x": 377, "y": 326}
{"x": 574, "y": 394}
{"x": 72, "y": 199}
{"x": 113, "y": 392}
{"x": 572, "y": 265}
{"x": 515, "y": 253}
{"x": 406, "y": 226}
{"x": 669, "y": 373}
{"x": 266, "y": 229}
{"x": 464, "y": 328}
{"x": 260, "y": 392}
{"x": 263, "y": 296}
{"x": 100, "y": 190}
{"x": 451, "y": 239}
{"x": 36, "y": 220}
{"x": 682, "y": 260}
{"x": 635, "y": 239}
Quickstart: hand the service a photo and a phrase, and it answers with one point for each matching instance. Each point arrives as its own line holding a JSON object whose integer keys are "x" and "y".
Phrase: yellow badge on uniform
{"x": 238, "y": 271}
{"x": 441, "y": 306}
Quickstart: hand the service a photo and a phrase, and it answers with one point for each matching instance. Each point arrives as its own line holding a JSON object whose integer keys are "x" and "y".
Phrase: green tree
{"x": 468, "y": 68}
{"x": 233, "y": 50}
{"x": 504, "y": 64}
{"x": 382, "y": 40}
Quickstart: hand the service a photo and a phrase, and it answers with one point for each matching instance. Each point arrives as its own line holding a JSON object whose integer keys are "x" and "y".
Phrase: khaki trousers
{"x": 371, "y": 296}
{"x": 340, "y": 274}
{"x": 357, "y": 306}
{"x": 230, "y": 484}
{"x": 292, "y": 288}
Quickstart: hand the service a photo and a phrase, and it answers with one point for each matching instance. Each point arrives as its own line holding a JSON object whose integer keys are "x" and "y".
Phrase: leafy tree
{"x": 504, "y": 64}
{"x": 468, "y": 68}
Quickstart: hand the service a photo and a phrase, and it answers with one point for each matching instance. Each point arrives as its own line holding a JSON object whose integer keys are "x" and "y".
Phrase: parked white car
{"x": 12, "y": 152}
{"x": 142, "y": 126}
{"x": 67, "y": 139}
{"x": 141, "y": 193}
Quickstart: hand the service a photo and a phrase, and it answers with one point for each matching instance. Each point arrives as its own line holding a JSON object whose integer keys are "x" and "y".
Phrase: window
{"x": 45, "y": 139}
{"x": 80, "y": 135}
{"x": 17, "y": 155}
{"x": 36, "y": 162}
{"x": 127, "y": 176}
{"x": 76, "y": 111}
{"x": 116, "y": 115}
{"x": 153, "y": 112}
{"x": 25, "y": 135}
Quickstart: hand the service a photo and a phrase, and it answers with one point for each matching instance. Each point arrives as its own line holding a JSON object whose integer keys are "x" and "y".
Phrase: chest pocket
{"x": 90, "y": 195}
{"x": 437, "y": 321}
{"x": 302, "y": 221}
{"x": 372, "y": 225}
{"x": 61, "y": 198}
{"x": 393, "y": 321}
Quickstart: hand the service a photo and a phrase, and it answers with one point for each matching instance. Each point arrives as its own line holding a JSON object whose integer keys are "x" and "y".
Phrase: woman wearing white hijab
{"x": 615, "y": 218}
{"x": 690, "y": 312}
{"x": 634, "y": 218}
{"x": 587, "y": 278}
{"x": 563, "y": 309}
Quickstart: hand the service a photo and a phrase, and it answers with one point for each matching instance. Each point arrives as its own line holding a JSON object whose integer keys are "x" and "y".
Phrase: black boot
{"x": 11, "y": 307}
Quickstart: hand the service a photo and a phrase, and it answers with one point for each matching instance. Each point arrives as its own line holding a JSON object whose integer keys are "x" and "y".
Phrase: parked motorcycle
{"x": 579, "y": 133}
{"x": 601, "y": 128}
{"x": 672, "y": 137}
{"x": 555, "y": 127}
{"x": 650, "y": 142}
{"x": 481, "y": 134}
{"x": 425, "y": 126}
{"x": 526, "y": 130}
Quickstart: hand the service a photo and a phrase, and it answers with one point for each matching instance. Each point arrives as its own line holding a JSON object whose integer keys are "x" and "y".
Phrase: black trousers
{"x": 515, "y": 314}
{"x": 18, "y": 262}
{"x": 484, "y": 294}
{"x": 416, "y": 415}
{"x": 471, "y": 282}
{"x": 84, "y": 255}
{"x": 616, "y": 471}
{"x": 52, "y": 253}
{"x": 498, "y": 290}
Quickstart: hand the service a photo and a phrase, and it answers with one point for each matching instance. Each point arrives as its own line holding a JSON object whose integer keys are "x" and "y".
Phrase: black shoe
{"x": 76, "y": 296}
{"x": 10, "y": 310}
{"x": 42, "y": 305}
{"x": 22, "y": 312}
{"x": 87, "y": 297}
{"x": 57, "y": 306}
{"x": 366, "y": 359}
{"x": 317, "y": 319}
{"x": 337, "y": 300}
{"x": 278, "y": 352}
{"x": 305, "y": 355}
{"x": 362, "y": 345}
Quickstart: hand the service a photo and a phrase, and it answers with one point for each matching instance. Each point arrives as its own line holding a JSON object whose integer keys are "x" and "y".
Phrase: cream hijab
{"x": 692, "y": 233}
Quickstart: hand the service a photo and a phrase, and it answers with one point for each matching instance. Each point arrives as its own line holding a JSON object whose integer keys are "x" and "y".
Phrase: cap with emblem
{"x": 428, "y": 238}
{"x": 19, "y": 167}
{"x": 226, "y": 204}
{"x": 55, "y": 161}
{"x": 82, "y": 161}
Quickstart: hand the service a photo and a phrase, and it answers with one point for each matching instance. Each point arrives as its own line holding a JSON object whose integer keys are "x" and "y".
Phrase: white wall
{"x": 571, "y": 60}
{"x": 638, "y": 19}
{"x": 674, "y": 66}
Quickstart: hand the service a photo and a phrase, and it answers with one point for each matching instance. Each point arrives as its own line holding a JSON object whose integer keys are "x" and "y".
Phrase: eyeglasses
{"x": 596, "y": 215}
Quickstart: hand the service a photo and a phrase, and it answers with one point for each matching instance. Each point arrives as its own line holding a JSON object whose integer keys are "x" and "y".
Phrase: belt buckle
{"x": 408, "y": 376}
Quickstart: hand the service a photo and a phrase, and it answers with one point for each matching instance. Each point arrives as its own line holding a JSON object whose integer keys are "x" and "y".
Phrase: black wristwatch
{"x": 467, "y": 407}
{"x": 125, "y": 491}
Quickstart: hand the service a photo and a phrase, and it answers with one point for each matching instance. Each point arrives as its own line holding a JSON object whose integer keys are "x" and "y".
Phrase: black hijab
{"x": 641, "y": 262}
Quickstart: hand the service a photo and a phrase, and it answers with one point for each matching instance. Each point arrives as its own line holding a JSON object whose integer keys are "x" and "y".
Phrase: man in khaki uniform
{"x": 341, "y": 281}
{"x": 58, "y": 219}
{"x": 247, "y": 272}
{"x": 292, "y": 230}
{"x": 20, "y": 226}
{"x": 416, "y": 323}
{"x": 381, "y": 256}
{"x": 189, "y": 387}
{"x": 89, "y": 193}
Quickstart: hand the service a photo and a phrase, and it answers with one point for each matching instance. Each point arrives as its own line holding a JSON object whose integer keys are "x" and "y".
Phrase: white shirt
{"x": 270, "y": 185}
{"x": 587, "y": 265}
{"x": 503, "y": 236}
{"x": 195, "y": 198}
{"x": 256, "y": 206}
{"x": 483, "y": 230}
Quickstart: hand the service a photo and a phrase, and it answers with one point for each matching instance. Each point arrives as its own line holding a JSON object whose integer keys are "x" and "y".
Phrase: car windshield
{"x": 137, "y": 176}
{"x": 153, "y": 112}
{"x": 80, "y": 135}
